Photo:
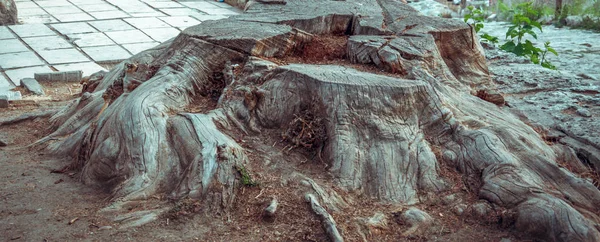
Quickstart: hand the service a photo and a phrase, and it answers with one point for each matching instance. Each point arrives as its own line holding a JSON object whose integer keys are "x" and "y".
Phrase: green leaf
{"x": 508, "y": 46}
{"x": 535, "y": 59}
{"x": 532, "y": 33}
{"x": 537, "y": 25}
{"x": 489, "y": 38}
{"x": 519, "y": 50}
{"x": 551, "y": 50}
{"x": 548, "y": 65}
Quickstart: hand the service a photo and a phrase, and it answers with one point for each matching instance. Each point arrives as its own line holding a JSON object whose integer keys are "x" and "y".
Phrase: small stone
{"x": 271, "y": 209}
{"x": 587, "y": 76}
{"x": 33, "y": 86}
{"x": 3, "y": 101}
{"x": 61, "y": 76}
{"x": 4, "y": 144}
{"x": 449, "y": 155}
{"x": 105, "y": 228}
{"x": 505, "y": 240}
{"x": 481, "y": 209}
{"x": 447, "y": 200}
{"x": 459, "y": 209}
{"x": 584, "y": 112}
{"x": 416, "y": 217}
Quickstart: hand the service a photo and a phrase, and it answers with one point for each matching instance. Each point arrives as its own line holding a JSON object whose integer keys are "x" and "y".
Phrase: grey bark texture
{"x": 384, "y": 135}
{"x": 8, "y": 12}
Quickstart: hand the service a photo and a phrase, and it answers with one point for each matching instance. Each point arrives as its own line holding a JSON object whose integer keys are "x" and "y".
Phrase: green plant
{"x": 246, "y": 178}
{"x": 476, "y": 17}
{"x": 523, "y": 25}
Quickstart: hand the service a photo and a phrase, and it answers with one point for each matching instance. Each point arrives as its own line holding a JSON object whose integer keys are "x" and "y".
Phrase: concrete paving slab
{"x": 180, "y": 21}
{"x": 5, "y": 33}
{"x": 12, "y": 95}
{"x": 111, "y": 25}
{"x": 38, "y": 19}
{"x": 161, "y": 34}
{"x": 114, "y": 14}
{"x": 11, "y": 46}
{"x": 139, "y": 47}
{"x": 30, "y": 11}
{"x": 73, "y": 17}
{"x": 63, "y": 56}
{"x": 31, "y": 30}
{"x": 24, "y": 5}
{"x": 200, "y": 5}
{"x": 128, "y": 36}
{"x": 146, "y": 23}
{"x": 87, "y": 2}
{"x": 5, "y": 84}
{"x": 110, "y": 53}
{"x": 62, "y": 10}
{"x": 97, "y": 7}
{"x": 182, "y": 12}
{"x": 164, "y": 4}
{"x": 53, "y": 3}
{"x": 20, "y": 59}
{"x": 135, "y": 8}
{"x": 17, "y": 74}
{"x": 150, "y": 14}
{"x": 87, "y": 68}
{"x": 33, "y": 86}
{"x": 73, "y": 28}
{"x": 91, "y": 39}
{"x": 47, "y": 43}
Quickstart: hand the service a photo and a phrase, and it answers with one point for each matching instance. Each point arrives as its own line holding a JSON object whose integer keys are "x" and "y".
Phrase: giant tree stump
{"x": 384, "y": 114}
{"x": 8, "y": 12}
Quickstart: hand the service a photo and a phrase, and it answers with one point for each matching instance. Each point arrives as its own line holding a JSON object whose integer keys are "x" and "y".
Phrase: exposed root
{"x": 327, "y": 221}
{"x": 27, "y": 117}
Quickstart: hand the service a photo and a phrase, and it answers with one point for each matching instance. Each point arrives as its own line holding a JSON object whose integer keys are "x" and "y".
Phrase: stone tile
{"x": 47, "y": 43}
{"x": 91, "y": 39}
{"x": 73, "y": 17}
{"x": 180, "y": 21}
{"x": 111, "y": 25}
{"x": 182, "y": 12}
{"x": 111, "y": 53}
{"x": 139, "y": 47}
{"x": 87, "y": 68}
{"x": 211, "y": 17}
{"x": 53, "y": 3}
{"x": 161, "y": 34}
{"x": 20, "y": 59}
{"x": 5, "y": 83}
{"x": 150, "y": 14}
{"x": 146, "y": 23}
{"x": 62, "y": 56}
{"x": 21, "y": 6}
{"x": 87, "y": 2}
{"x": 38, "y": 19}
{"x": 31, "y": 30}
{"x": 218, "y": 11}
{"x": 17, "y": 74}
{"x": 62, "y": 10}
{"x": 97, "y": 7}
{"x": 109, "y": 14}
{"x": 12, "y": 95}
{"x": 73, "y": 28}
{"x": 135, "y": 8}
{"x": 128, "y": 36}
{"x": 200, "y": 5}
{"x": 31, "y": 11}
{"x": 12, "y": 46}
{"x": 5, "y": 33}
{"x": 164, "y": 4}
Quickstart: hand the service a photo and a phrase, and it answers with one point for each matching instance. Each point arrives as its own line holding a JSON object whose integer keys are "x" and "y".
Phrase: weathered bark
{"x": 8, "y": 12}
{"x": 383, "y": 136}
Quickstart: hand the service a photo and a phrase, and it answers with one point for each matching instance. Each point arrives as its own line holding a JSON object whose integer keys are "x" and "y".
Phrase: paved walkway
{"x": 64, "y": 35}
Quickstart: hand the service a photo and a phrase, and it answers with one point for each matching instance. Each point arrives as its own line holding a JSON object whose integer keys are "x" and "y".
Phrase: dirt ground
{"x": 37, "y": 204}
